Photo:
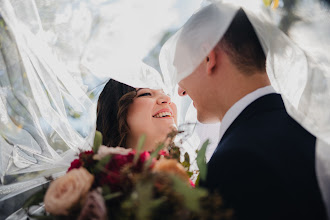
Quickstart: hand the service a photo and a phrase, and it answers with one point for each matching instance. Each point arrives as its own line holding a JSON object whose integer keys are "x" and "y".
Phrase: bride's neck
{"x": 150, "y": 144}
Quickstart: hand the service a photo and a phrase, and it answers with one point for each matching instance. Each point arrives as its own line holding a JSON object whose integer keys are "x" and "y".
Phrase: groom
{"x": 264, "y": 165}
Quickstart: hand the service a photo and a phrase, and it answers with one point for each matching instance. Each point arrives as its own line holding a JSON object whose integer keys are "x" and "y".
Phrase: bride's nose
{"x": 164, "y": 99}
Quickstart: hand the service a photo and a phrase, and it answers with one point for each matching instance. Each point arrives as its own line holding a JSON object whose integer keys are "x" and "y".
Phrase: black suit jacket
{"x": 264, "y": 165}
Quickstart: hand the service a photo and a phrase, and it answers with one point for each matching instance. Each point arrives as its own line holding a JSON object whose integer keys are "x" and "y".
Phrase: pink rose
{"x": 164, "y": 153}
{"x": 66, "y": 191}
{"x": 192, "y": 184}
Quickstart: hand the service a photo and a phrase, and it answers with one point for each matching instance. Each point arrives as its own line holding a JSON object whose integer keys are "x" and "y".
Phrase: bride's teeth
{"x": 163, "y": 114}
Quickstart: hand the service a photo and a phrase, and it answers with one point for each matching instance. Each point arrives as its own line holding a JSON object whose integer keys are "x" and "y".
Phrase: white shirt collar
{"x": 240, "y": 105}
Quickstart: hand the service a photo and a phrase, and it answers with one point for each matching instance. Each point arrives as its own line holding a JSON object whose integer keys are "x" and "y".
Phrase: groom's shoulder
{"x": 266, "y": 123}
{"x": 268, "y": 115}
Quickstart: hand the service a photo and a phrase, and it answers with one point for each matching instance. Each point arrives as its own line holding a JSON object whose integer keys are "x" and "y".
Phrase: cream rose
{"x": 105, "y": 151}
{"x": 67, "y": 191}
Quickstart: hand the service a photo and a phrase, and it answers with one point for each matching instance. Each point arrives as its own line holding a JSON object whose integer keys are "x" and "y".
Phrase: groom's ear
{"x": 210, "y": 62}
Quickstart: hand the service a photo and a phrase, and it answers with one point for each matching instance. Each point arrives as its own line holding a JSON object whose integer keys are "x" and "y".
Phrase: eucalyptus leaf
{"x": 186, "y": 157}
{"x": 139, "y": 148}
{"x": 186, "y": 165}
{"x": 201, "y": 160}
{"x": 146, "y": 203}
{"x": 101, "y": 164}
{"x": 197, "y": 180}
{"x": 191, "y": 195}
{"x": 186, "y": 162}
{"x": 97, "y": 141}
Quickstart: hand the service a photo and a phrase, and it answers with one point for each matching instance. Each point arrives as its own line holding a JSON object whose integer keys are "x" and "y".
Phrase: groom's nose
{"x": 181, "y": 92}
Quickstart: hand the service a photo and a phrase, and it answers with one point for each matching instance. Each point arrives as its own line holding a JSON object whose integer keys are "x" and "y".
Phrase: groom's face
{"x": 197, "y": 87}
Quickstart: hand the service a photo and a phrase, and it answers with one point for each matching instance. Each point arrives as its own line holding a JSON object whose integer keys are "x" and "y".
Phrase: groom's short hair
{"x": 242, "y": 45}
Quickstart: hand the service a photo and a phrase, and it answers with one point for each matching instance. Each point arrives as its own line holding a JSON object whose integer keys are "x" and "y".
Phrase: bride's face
{"x": 151, "y": 113}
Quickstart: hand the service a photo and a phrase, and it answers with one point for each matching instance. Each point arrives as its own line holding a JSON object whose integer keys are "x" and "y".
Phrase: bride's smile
{"x": 152, "y": 113}
{"x": 164, "y": 114}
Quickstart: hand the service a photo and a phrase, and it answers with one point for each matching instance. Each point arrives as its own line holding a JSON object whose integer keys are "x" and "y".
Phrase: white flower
{"x": 105, "y": 151}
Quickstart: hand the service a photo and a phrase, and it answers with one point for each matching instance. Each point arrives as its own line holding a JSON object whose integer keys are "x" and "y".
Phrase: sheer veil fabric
{"x": 295, "y": 68}
{"x": 56, "y": 55}
{"x": 54, "y": 61}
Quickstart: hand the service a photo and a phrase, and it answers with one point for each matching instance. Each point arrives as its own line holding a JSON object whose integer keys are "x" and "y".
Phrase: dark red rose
{"x": 118, "y": 161}
{"x": 87, "y": 158}
{"x": 75, "y": 164}
{"x": 112, "y": 174}
{"x": 110, "y": 179}
{"x": 86, "y": 153}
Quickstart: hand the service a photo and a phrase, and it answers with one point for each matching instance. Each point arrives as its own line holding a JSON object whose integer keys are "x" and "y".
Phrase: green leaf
{"x": 201, "y": 160}
{"x": 186, "y": 165}
{"x": 97, "y": 141}
{"x": 186, "y": 157}
{"x": 190, "y": 173}
{"x": 186, "y": 162}
{"x": 112, "y": 195}
{"x": 139, "y": 148}
{"x": 191, "y": 195}
{"x": 153, "y": 155}
{"x": 175, "y": 153}
{"x": 100, "y": 166}
{"x": 197, "y": 180}
{"x": 35, "y": 199}
{"x": 145, "y": 201}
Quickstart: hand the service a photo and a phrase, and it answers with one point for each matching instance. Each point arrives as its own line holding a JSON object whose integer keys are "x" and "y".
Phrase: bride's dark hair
{"x": 112, "y": 110}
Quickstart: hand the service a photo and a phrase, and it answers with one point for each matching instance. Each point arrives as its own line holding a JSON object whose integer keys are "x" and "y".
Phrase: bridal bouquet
{"x": 119, "y": 183}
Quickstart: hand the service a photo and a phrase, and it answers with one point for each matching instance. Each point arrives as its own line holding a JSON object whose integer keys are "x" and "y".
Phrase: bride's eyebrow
{"x": 140, "y": 89}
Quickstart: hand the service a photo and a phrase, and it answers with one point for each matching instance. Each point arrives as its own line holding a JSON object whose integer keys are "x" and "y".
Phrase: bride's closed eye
{"x": 144, "y": 94}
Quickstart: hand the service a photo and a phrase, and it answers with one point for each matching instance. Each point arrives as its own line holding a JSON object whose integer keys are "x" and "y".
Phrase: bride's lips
{"x": 163, "y": 111}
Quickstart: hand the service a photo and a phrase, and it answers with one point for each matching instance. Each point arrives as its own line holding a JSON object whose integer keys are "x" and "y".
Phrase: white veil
{"x": 55, "y": 58}
{"x": 295, "y": 67}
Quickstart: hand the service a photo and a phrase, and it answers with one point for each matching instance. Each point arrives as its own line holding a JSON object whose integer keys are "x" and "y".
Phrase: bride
{"x": 125, "y": 113}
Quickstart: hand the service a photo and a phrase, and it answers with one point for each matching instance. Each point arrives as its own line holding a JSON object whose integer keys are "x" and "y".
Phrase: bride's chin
{"x": 173, "y": 127}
